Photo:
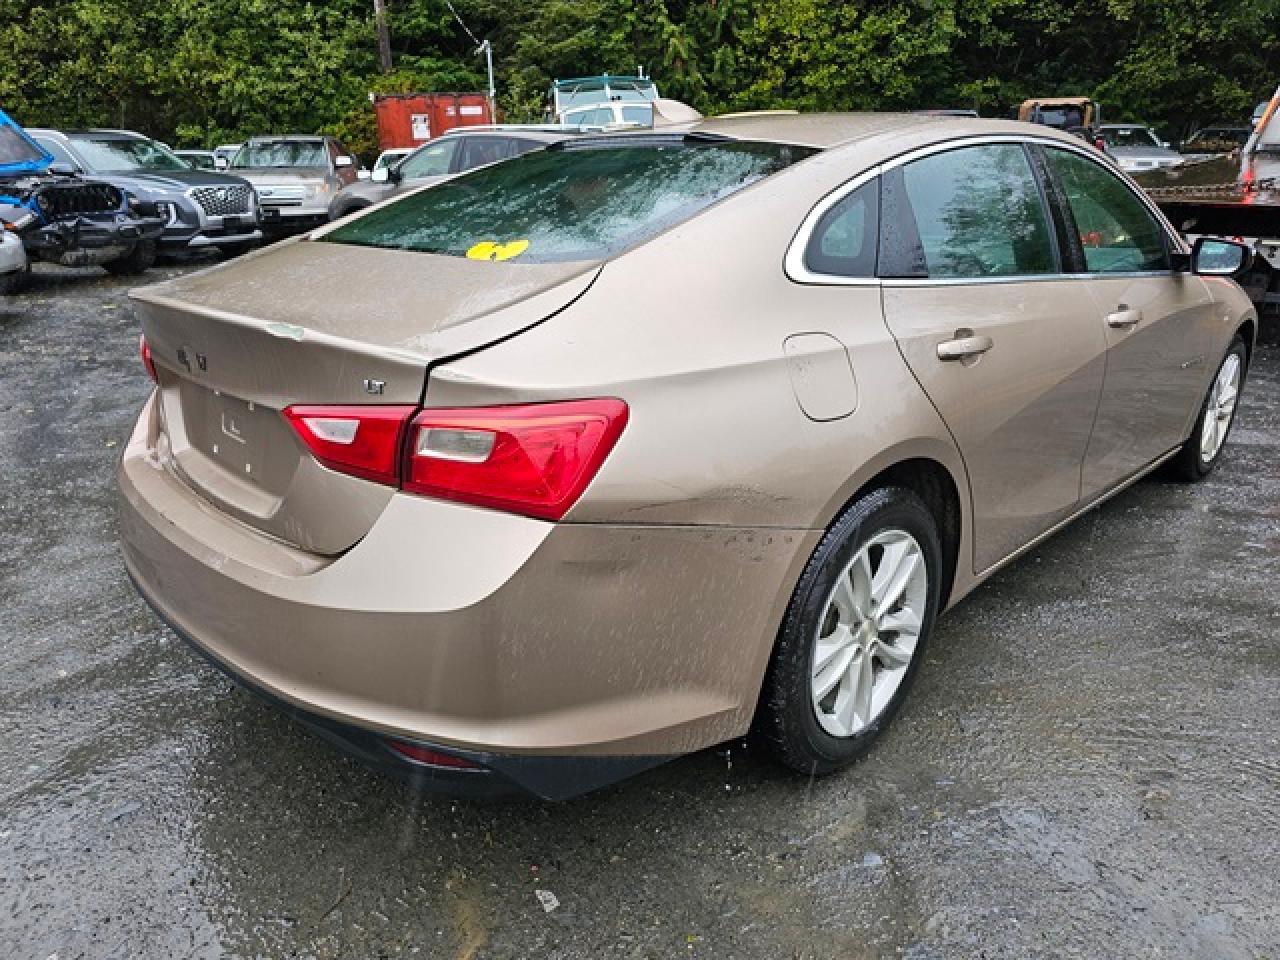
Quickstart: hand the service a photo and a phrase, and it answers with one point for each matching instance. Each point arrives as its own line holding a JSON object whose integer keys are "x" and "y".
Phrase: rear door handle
{"x": 966, "y": 344}
{"x": 1124, "y": 317}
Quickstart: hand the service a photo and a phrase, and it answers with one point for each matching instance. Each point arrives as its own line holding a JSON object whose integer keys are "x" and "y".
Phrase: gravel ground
{"x": 1088, "y": 767}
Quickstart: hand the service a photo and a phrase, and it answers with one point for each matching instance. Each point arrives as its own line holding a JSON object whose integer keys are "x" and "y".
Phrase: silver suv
{"x": 296, "y": 177}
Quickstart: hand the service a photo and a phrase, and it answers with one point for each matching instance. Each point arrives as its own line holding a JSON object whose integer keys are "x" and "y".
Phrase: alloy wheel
{"x": 868, "y": 633}
{"x": 1220, "y": 408}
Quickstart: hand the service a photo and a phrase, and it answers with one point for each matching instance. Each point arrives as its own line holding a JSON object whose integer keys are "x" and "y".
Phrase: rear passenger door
{"x": 1007, "y": 346}
{"x": 1158, "y": 323}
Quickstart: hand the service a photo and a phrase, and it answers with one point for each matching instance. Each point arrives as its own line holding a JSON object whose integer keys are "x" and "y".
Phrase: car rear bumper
{"x": 545, "y": 777}
{"x": 518, "y": 642}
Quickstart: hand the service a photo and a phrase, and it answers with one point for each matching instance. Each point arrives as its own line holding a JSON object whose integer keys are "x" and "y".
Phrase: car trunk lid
{"x": 309, "y": 323}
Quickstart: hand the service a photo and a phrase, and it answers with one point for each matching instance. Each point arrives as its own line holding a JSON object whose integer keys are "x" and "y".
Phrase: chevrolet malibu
{"x": 630, "y": 445}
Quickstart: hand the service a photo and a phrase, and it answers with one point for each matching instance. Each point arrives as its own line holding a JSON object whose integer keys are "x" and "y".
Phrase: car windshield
{"x": 1129, "y": 137}
{"x": 123, "y": 155}
{"x": 579, "y": 200}
{"x": 281, "y": 153}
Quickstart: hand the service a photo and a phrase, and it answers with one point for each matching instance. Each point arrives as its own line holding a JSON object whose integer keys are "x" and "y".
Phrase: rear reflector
{"x": 434, "y": 758}
{"x": 363, "y": 441}
{"x": 535, "y": 459}
{"x": 144, "y": 348}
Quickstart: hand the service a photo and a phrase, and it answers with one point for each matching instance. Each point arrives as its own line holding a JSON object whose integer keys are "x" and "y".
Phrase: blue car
{"x": 70, "y": 220}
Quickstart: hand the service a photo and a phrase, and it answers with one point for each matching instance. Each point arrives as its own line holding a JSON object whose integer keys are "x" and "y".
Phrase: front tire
{"x": 852, "y": 639}
{"x": 139, "y": 260}
{"x": 1203, "y": 449}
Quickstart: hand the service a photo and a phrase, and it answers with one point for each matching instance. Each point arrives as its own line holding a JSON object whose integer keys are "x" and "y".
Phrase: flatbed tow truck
{"x": 1236, "y": 196}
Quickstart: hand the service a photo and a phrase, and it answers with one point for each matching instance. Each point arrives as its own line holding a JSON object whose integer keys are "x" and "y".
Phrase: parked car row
{"x": 119, "y": 199}
{"x": 62, "y": 218}
{"x": 200, "y": 208}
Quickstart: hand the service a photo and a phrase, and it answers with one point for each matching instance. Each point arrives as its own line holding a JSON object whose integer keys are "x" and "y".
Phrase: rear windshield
{"x": 583, "y": 200}
{"x": 281, "y": 153}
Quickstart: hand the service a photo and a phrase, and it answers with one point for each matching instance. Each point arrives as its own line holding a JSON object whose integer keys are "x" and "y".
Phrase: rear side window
{"x": 583, "y": 200}
{"x": 977, "y": 212}
{"x": 1117, "y": 231}
{"x": 477, "y": 151}
{"x": 843, "y": 242}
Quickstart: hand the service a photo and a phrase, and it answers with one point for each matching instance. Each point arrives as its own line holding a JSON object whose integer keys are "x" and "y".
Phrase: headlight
{"x": 168, "y": 212}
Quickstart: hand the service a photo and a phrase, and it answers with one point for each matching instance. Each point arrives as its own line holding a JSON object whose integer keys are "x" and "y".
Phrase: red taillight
{"x": 144, "y": 348}
{"x": 535, "y": 459}
{"x": 434, "y": 758}
{"x": 360, "y": 440}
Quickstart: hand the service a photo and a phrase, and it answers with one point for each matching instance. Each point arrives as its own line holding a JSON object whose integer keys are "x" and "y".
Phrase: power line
{"x": 467, "y": 29}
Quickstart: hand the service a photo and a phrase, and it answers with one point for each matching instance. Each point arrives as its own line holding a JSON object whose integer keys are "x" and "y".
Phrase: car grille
{"x": 60, "y": 201}
{"x": 281, "y": 196}
{"x": 223, "y": 201}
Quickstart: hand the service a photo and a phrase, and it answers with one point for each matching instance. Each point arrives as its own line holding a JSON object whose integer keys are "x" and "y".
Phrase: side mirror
{"x": 63, "y": 169}
{"x": 381, "y": 175}
{"x": 343, "y": 161}
{"x": 1211, "y": 257}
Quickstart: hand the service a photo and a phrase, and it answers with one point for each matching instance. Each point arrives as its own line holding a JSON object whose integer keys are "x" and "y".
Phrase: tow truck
{"x": 1235, "y": 195}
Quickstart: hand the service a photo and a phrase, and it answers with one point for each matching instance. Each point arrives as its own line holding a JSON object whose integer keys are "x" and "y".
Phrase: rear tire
{"x": 139, "y": 260}
{"x": 15, "y": 282}
{"x": 850, "y": 643}
{"x": 1203, "y": 449}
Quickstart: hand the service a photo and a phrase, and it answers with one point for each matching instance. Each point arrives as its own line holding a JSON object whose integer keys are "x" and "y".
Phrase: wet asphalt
{"x": 1089, "y": 765}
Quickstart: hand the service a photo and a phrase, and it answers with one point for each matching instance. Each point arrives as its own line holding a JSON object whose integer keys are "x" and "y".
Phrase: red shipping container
{"x": 411, "y": 119}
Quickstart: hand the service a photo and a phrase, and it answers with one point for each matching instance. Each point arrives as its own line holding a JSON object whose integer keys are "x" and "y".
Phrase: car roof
{"x": 100, "y": 133}
{"x": 525, "y": 133}
{"x": 825, "y": 130}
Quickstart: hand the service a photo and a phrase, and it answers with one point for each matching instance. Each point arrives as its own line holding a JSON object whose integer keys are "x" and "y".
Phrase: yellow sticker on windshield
{"x": 489, "y": 250}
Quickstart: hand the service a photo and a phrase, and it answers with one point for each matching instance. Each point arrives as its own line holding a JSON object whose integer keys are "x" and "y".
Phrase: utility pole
{"x": 384, "y": 35}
